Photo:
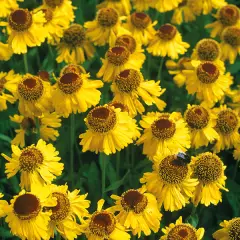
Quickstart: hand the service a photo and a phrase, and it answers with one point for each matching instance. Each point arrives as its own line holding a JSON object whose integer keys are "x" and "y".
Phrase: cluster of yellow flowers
{"x": 41, "y": 209}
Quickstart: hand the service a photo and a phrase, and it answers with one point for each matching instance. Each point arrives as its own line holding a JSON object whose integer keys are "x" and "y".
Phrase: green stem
{"x": 38, "y": 60}
{"x": 103, "y": 160}
{"x": 129, "y": 164}
{"x": 118, "y": 164}
{"x": 58, "y": 236}
{"x": 25, "y": 62}
{"x": 235, "y": 170}
{"x": 72, "y": 141}
{"x": 149, "y": 66}
{"x": 159, "y": 75}
{"x": 194, "y": 209}
{"x": 51, "y": 51}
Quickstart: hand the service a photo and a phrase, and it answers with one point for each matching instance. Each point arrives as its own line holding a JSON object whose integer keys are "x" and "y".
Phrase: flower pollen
{"x": 140, "y": 20}
{"x": 118, "y": 55}
{"x": 167, "y": 32}
{"x": 127, "y": 41}
{"x": 234, "y": 229}
{"x": 182, "y": 232}
{"x": 107, "y": 17}
{"x": 74, "y": 36}
{"x": 229, "y": 15}
{"x": 231, "y": 35}
{"x": 116, "y": 104}
{"x": 207, "y": 72}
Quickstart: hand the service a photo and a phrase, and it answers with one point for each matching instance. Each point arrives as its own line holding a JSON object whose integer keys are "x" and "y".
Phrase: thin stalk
{"x": 58, "y": 236}
{"x": 129, "y": 164}
{"x": 118, "y": 164}
{"x": 159, "y": 75}
{"x": 103, "y": 160}
{"x": 25, "y": 63}
{"x": 235, "y": 170}
{"x": 51, "y": 51}
{"x": 72, "y": 141}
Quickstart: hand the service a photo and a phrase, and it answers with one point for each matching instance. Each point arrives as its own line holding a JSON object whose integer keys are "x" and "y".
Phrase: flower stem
{"x": 235, "y": 170}
{"x": 103, "y": 160}
{"x": 159, "y": 75}
{"x": 25, "y": 62}
{"x": 72, "y": 140}
{"x": 118, "y": 164}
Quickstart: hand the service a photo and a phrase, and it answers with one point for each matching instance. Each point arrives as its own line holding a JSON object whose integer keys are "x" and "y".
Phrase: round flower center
{"x": 28, "y": 123}
{"x": 229, "y": 15}
{"x": 31, "y": 88}
{"x": 2, "y": 83}
{"x": 72, "y": 68}
{"x": 20, "y": 20}
{"x": 74, "y": 36}
{"x": 234, "y": 229}
{"x": 208, "y": 168}
{"x": 163, "y": 128}
{"x": 207, "y": 72}
{"x": 183, "y": 3}
{"x": 44, "y": 75}
{"x": 70, "y": 82}
{"x": 182, "y": 232}
{"x": 27, "y": 206}
{"x": 231, "y": 35}
{"x": 48, "y": 14}
{"x": 167, "y": 32}
{"x": 54, "y": 3}
{"x": 128, "y": 80}
{"x": 133, "y": 200}
{"x": 102, "y": 224}
{"x": 172, "y": 170}
{"x": 208, "y": 49}
{"x": 140, "y": 20}
{"x": 197, "y": 117}
{"x": 227, "y": 121}
{"x": 101, "y": 119}
{"x": 30, "y": 159}
{"x": 127, "y": 41}
{"x": 118, "y": 55}
{"x": 123, "y": 107}
{"x": 62, "y": 209}
{"x": 107, "y": 17}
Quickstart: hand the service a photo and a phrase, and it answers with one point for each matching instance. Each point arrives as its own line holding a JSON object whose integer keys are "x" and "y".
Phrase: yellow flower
{"x": 208, "y": 81}
{"x": 38, "y": 164}
{"x": 141, "y": 27}
{"x": 129, "y": 85}
{"x": 180, "y": 231}
{"x": 69, "y": 205}
{"x": 165, "y": 5}
{"x": 105, "y": 28}
{"x": 47, "y": 124}
{"x": 27, "y": 216}
{"x": 226, "y": 16}
{"x": 25, "y": 29}
{"x": 176, "y": 68}
{"x": 5, "y": 52}
{"x": 74, "y": 92}
{"x": 230, "y": 230}
{"x": 74, "y": 45}
{"x": 123, "y": 7}
{"x": 142, "y": 5}
{"x": 7, "y": 6}
{"x": 171, "y": 182}
{"x": 164, "y": 134}
{"x": 230, "y": 44}
{"x": 236, "y": 153}
{"x": 167, "y": 42}
{"x": 102, "y": 225}
{"x": 109, "y": 129}
{"x": 138, "y": 211}
{"x": 209, "y": 170}
{"x": 201, "y": 123}
{"x": 208, "y": 5}
{"x": 34, "y": 96}
{"x": 3, "y": 206}
{"x": 116, "y": 60}
{"x": 8, "y": 81}
{"x": 228, "y": 123}
{"x": 187, "y": 11}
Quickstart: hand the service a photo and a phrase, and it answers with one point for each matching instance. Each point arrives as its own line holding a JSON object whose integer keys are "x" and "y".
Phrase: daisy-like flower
{"x": 123, "y": 7}
{"x": 47, "y": 124}
{"x": 187, "y": 11}
{"x": 25, "y": 29}
{"x": 7, "y": 6}
{"x": 226, "y": 16}
{"x": 27, "y": 216}
{"x": 74, "y": 92}
{"x": 176, "y": 68}
{"x": 116, "y": 60}
{"x": 201, "y": 123}
{"x": 167, "y": 42}
{"x": 130, "y": 84}
{"x": 236, "y": 153}
{"x": 228, "y": 123}
{"x": 105, "y": 28}
{"x": 102, "y": 225}
{"x": 141, "y": 27}
{"x": 3, "y": 206}
{"x": 209, "y": 170}
{"x": 138, "y": 211}
{"x": 34, "y": 96}
{"x": 109, "y": 129}
{"x": 142, "y": 5}
{"x": 8, "y": 84}
{"x": 171, "y": 182}
{"x": 180, "y": 231}
{"x": 164, "y": 134}
{"x": 208, "y": 5}
{"x": 208, "y": 81}
{"x": 165, "y": 5}
{"x": 74, "y": 45}
{"x": 69, "y": 205}
{"x": 5, "y": 52}
{"x": 230, "y": 44}
{"x": 230, "y": 230}
{"x": 38, "y": 164}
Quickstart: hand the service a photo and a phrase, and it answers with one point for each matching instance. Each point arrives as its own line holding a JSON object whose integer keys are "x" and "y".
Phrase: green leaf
{"x": 193, "y": 220}
{"x": 5, "y": 233}
{"x": 118, "y": 183}
{"x": 5, "y": 138}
